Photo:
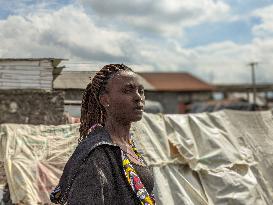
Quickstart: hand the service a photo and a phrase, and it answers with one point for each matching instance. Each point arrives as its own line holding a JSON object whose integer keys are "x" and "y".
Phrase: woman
{"x": 106, "y": 168}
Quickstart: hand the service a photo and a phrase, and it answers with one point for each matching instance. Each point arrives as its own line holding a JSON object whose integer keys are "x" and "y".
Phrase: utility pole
{"x": 253, "y": 65}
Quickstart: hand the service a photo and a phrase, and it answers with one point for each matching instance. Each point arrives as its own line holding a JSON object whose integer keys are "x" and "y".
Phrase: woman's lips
{"x": 139, "y": 108}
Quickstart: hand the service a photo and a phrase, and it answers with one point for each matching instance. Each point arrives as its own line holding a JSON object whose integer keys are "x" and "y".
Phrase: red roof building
{"x": 183, "y": 82}
{"x": 175, "y": 90}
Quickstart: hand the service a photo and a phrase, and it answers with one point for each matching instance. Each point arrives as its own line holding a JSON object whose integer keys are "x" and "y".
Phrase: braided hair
{"x": 92, "y": 112}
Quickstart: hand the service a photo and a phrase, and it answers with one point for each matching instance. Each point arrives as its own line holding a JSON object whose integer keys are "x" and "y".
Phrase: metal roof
{"x": 176, "y": 82}
{"x": 55, "y": 61}
{"x": 260, "y": 87}
{"x": 73, "y": 80}
{"x": 80, "y": 79}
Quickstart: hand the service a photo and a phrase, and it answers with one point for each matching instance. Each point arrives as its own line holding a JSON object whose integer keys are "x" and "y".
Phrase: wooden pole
{"x": 253, "y": 65}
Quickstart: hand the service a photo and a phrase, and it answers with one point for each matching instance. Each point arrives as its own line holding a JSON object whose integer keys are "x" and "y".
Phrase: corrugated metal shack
{"x": 28, "y": 73}
{"x": 26, "y": 91}
{"x": 27, "y": 97}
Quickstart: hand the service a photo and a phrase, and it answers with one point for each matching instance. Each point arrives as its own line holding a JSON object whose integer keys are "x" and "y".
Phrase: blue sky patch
{"x": 236, "y": 31}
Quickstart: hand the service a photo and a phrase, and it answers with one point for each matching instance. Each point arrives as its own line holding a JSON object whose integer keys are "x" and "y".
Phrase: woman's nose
{"x": 138, "y": 97}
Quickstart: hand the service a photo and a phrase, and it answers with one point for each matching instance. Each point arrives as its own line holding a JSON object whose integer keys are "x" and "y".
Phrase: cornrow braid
{"x": 92, "y": 112}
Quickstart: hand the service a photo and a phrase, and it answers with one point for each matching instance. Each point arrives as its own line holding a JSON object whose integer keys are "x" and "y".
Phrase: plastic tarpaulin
{"x": 34, "y": 157}
{"x": 229, "y": 149}
{"x": 224, "y": 157}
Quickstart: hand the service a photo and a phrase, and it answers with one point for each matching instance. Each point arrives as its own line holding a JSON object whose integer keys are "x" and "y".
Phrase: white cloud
{"x": 67, "y": 32}
{"x": 164, "y": 17}
{"x": 71, "y": 33}
{"x": 228, "y": 62}
{"x": 265, "y": 29}
{"x": 224, "y": 62}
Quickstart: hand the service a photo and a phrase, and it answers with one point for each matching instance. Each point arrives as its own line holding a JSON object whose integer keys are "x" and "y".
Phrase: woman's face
{"x": 125, "y": 97}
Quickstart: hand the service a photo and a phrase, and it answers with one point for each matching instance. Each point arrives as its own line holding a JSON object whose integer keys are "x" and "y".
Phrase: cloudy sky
{"x": 212, "y": 39}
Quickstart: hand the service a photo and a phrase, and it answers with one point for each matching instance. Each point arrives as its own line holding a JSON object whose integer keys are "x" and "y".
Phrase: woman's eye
{"x": 141, "y": 91}
{"x": 133, "y": 90}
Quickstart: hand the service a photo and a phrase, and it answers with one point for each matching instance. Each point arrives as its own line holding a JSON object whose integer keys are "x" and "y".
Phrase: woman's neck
{"x": 119, "y": 132}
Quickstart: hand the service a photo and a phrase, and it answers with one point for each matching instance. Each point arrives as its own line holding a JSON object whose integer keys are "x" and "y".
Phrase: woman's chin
{"x": 138, "y": 117}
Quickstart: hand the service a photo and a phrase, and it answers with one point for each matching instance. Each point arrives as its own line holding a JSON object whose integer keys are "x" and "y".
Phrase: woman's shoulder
{"x": 105, "y": 152}
{"x": 91, "y": 146}
{"x": 93, "y": 140}
{"x": 96, "y": 148}
{"x": 97, "y": 151}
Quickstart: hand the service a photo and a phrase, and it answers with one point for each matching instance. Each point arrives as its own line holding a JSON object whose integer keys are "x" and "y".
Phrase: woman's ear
{"x": 104, "y": 100}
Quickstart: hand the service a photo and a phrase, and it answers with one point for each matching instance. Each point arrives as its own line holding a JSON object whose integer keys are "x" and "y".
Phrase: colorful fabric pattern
{"x": 134, "y": 180}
